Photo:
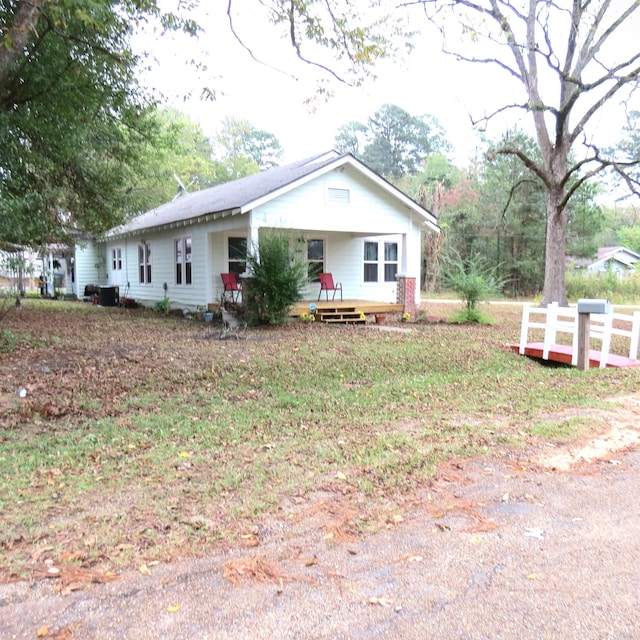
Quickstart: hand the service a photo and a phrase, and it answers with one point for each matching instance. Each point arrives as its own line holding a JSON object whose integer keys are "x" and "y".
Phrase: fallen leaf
{"x": 340, "y": 476}
{"x": 476, "y": 540}
{"x": 144, "y": 570}
{"x": 383, "y": 602}
{"x": 174, "y": 608}
{"x": 43, "y": 632}
{"x": 185, "y": 454}
{"x": 311, "y": 561}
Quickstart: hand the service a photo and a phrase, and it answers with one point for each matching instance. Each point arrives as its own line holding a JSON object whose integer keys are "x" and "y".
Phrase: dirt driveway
{"x": 538, "y": 544}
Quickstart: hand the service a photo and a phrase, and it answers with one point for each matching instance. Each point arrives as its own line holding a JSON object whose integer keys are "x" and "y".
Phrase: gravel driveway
{"x": 496, "y": 548}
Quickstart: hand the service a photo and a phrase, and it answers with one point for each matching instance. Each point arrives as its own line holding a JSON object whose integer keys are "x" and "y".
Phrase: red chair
{"x": 231, "y": 284}
{"x": 327, "y": 284}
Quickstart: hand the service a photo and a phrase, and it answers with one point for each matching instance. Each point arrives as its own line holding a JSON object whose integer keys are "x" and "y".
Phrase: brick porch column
{"x": 406, "y": 294}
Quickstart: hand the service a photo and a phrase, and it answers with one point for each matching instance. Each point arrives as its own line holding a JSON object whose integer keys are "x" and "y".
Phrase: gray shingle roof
{"x": 240, "y": 195}
{"x": 227, "y": 197}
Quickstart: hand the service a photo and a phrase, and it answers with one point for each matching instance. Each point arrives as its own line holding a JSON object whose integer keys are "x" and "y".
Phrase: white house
{"x": 619, "y": 260}
{"x": 341, "y": 216}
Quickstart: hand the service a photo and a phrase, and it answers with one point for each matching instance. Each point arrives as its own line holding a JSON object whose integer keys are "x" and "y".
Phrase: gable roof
{"x": 622, "y": 255}
{"x": 240, "y": 196}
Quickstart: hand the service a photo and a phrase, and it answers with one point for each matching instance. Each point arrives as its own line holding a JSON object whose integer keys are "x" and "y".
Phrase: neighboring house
{"x": 619, "y": 260}
{"x": 341, "y": 217}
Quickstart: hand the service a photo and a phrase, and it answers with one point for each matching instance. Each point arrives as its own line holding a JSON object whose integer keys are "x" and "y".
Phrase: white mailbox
{"x": 593, "y": 305}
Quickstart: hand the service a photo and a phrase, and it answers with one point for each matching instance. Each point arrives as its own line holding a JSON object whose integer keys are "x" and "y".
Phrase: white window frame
{"x": 386, "y": 262}
{"x": 183, "y": 260}
{"x": 144, "y": 262}
{"x": 381, "y": 261}
{"x": 233, "y": 260}
{"x": 116, "y": 259}
{"x": 315, "y": 261}
{"x": 366, "y": 262}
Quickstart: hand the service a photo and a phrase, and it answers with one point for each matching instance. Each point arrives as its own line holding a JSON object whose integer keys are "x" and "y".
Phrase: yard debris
{"x": 256, "y": 568}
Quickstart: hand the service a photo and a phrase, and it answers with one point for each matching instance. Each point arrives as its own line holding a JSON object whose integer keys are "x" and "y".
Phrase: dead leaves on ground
{"x": 69, "y": 578}
{"x": 256, "y": 569}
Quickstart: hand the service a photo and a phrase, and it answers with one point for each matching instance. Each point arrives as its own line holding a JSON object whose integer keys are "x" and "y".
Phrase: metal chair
{"x": 231, "y": 285}
{"x": 327, "y": 284}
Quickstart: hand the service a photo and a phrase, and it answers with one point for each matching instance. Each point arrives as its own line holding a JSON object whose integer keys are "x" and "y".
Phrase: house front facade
{"x": 339, "y": 215}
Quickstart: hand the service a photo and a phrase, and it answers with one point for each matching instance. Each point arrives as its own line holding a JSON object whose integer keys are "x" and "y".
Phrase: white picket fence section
{"x": 602, "y": 327}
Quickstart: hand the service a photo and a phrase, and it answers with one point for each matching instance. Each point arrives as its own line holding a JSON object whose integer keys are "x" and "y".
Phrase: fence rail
{"x": 564, "y": 320}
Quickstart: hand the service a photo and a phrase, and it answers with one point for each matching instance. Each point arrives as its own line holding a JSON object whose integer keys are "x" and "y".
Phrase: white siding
{"x": 370, "y": 209}
{"x": 367, "y": 212}
{"x": 89, "y": 266}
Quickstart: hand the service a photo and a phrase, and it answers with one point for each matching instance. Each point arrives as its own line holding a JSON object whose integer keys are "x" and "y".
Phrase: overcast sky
{"x": 267, "y": 95}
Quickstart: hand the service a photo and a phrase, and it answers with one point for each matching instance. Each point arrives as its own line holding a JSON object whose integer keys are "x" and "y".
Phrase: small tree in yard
{"x": 474, "y": 281}
{"x": 277, "y": 283}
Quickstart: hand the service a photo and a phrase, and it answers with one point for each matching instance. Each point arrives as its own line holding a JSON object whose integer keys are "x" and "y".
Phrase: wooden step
{"x": 343, "y": 316}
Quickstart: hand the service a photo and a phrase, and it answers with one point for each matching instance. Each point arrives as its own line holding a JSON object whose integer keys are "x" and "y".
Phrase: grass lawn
{"x": 142, "y": 438}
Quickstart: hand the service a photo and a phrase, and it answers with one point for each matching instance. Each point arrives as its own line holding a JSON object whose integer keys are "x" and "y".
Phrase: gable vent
{"x": 338, "y": 196}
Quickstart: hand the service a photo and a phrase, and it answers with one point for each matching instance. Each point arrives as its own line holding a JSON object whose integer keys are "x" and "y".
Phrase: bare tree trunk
{"x": 554, "y": 271}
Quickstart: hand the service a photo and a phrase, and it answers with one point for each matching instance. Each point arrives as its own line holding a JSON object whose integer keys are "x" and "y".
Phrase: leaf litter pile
{"x": 130, "y": 438}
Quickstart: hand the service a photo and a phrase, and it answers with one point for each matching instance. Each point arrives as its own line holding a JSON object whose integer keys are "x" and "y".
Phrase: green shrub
{"x": 474, "y": 281}
{"x": 277, "y": 282}
{"x": 619, "y": 289}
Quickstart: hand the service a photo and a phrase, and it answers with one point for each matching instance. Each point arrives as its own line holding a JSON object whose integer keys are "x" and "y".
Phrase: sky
{"x": 271, "y": 99}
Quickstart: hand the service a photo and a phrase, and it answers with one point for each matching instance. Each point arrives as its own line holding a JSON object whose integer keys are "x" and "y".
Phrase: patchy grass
{"x": 142, "y": 439}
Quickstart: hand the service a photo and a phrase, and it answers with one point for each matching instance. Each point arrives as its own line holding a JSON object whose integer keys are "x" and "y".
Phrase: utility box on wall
{"x": 593, "y": 305}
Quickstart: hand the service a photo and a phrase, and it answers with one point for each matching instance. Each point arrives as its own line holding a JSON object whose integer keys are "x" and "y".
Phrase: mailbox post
{"x": 587, "y": 306}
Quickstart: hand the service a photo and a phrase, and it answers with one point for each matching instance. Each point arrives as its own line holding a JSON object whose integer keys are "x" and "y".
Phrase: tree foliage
{"x": 73, "y": 119}
{"x": 179, "y": 157}
{"x": 566, "y": 65}
{"x": 393, "y": 142}
{"x": 497, "y": 210}
{"x": 242, "y": 150}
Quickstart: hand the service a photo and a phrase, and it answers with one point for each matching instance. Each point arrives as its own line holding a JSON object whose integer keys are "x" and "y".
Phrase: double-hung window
{"x": 116, "y": 259}
{"x": 380, "y": 261}
{"x": 237, "y": 257}
{"x": 315, "y": 259}
{"x": 371, "y": 262}
{"x": 390, "y": 261}
{"x": 183, "y": 260}
{"x": 144, "y": 263}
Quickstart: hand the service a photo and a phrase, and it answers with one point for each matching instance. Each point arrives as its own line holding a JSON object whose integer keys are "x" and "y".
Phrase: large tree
{"x": 179, "y": 158}
{"x": 241, "y": 149}
{"x": 568, "y": 65}
{"x": 73, "y": 119}
{"x": 393, "y": 142}
{"x": 568, "y": 62}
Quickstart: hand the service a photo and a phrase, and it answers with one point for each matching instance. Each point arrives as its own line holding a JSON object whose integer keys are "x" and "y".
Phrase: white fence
{"x": 565, "y": 320}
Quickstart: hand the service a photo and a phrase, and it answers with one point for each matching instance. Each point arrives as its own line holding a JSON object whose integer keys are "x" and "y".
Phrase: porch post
{"x": 406, "y": 294}
{"x": 406, "y": 284}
